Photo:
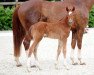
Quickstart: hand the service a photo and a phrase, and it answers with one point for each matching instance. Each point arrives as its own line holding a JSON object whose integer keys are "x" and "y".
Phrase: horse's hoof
{"x": 82, "y": 63}
{"x": 57, "y": 68}
{"x": 19, "y": 65}
{"x": 40, "y": 69}
{"x": 33, "y": 66}
{"x": 75, "y": 63}
{"x": 66, "y": 67}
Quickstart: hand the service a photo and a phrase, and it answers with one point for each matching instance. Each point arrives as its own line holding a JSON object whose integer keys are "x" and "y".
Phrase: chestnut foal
{"x": 58, "y": 30}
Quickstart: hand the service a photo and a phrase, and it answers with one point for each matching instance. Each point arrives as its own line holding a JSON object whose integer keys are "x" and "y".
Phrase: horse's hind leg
{"x": 31, "y": 50}
{"x": 35, "y": 53}
{"x": 79, "y": 44}
{"x": 26, "y": 43}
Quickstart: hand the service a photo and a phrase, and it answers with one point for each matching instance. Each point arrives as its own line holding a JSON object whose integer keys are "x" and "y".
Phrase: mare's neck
{"x": 88, "y": 3}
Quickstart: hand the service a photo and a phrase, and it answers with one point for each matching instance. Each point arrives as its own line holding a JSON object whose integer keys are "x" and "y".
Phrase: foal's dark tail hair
{"x": 18, "y": 32}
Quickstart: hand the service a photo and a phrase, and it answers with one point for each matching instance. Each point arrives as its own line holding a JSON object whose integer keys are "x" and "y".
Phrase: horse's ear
{"x": 73, "y": 9}
{"x": 67, "y": 9}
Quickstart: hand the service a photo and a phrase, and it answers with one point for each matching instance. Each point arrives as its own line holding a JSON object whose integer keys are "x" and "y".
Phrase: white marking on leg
{"x": 72, "y": 56}
{"x": 37, "y": 64}
{"x": 57, "y": 64}
{"x": 17, "y": 61}
{"x": 26, "y": 52}
{"x": 58, "y": 54}
{"x": 28, "y": 63}
{"x": 79, "y": 54}
{"x": 66, "y": 64}
{"x": 80, "y": 57}
{"x": 35, "y": 53}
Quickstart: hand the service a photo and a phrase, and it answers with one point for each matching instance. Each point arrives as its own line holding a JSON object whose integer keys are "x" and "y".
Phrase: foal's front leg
{"x": 64, "y": 53}
{"x": 58, "y": 53}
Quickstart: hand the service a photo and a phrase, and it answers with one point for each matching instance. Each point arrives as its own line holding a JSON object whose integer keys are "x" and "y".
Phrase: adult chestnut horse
{"x": 30, "y": 12}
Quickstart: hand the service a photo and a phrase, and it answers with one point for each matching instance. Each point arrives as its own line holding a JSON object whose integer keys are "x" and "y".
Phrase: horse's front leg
{"x": 79, "y": 44}
{"x": 64, "y": 53}
{"x": 58, "y": 53}
{"x": 73, "y": 44}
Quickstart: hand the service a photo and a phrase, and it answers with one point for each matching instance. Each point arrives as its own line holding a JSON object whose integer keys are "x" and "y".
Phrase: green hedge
{"x": 91, "y": 18}
{"x": 6, "y": 18}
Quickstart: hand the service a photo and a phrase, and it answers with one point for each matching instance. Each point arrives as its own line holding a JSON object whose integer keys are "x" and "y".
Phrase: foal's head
{"x": 70, "y": 15}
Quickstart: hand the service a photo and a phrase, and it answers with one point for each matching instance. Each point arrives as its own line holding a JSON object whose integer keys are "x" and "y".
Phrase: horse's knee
{"x": 79, "y": 46}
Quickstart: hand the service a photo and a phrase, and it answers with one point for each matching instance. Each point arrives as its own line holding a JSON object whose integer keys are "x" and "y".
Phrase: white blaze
{"x": 70, "y": 13}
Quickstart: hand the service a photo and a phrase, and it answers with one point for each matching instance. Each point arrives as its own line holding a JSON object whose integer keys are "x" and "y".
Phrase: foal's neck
{"x": 64, "y": 22}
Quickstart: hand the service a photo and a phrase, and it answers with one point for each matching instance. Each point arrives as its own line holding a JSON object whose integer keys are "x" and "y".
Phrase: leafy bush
{"x": 6, "y": 18}
{"x": 91, "y": 18}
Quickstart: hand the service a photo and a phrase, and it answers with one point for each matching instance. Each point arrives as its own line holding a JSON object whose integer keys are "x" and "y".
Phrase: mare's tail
{"x": 18, "y": 33}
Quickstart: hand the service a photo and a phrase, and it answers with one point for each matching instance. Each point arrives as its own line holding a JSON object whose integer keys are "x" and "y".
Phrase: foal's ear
{"x": 73, "y": 9}
{"x": 67, "y": 9}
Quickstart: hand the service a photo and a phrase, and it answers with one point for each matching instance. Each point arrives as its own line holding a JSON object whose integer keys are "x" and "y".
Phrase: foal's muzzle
{"x": 70, "y": 22}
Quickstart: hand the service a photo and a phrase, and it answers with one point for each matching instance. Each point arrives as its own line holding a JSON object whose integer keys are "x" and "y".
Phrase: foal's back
{"x": 56, "y": 30}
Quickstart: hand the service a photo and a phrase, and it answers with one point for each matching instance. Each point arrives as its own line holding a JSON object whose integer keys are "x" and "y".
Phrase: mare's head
{"x": 70, "y": 15}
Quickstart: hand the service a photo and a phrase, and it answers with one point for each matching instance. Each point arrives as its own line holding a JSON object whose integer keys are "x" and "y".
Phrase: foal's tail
{"x": 18, "y": 33}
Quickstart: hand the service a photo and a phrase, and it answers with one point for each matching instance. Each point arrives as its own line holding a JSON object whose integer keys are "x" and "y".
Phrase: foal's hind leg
{"x": 26, "y": 43}
{"x": 35, "y": 53}
{"x": 31, "y": 50}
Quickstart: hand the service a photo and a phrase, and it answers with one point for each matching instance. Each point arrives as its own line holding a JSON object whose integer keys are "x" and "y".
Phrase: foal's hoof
{"x": 67, "y": 67}
{"x": 75, "y": 63}
{"x": 56, "y": 67}
{"x": 82, "y": 63}
{"x": 28, "y": 69}
{"x": 19, "y": 65}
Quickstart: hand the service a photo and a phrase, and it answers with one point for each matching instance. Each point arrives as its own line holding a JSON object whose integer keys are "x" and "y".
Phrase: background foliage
{"x": 6, "y": 18}
{"x": 91, "y": 18}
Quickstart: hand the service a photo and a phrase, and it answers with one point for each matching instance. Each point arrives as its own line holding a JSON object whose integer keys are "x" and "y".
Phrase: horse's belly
{"x": 52, "y": 35}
